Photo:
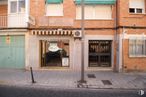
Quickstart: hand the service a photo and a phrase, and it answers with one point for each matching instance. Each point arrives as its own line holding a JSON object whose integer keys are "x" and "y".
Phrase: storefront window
{"x": 54, "y": 53}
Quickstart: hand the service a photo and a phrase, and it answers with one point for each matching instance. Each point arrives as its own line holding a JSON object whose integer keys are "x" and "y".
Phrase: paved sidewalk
{"x": 68, "y": 79}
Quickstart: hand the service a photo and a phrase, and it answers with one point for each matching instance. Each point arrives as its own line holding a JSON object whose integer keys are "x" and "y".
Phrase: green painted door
{"x": 12, "y": 52}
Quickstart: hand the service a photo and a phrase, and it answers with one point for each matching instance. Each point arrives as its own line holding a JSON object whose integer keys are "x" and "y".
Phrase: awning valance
{"x": 100, "y": 2}
{"x": 54, "y": 1}
{"x": 52, "y": 32}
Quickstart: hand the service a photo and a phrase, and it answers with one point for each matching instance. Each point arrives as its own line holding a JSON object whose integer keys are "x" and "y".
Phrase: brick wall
{"x": 136, "y": 24}
{"x": 38, "y": 11}
{"x": 128, "y": 19}
{"x": 132, "y": 63}
{"x": 3, "y": 9}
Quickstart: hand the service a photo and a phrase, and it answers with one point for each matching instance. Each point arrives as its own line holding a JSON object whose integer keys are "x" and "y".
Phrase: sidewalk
{"x": 68, "y": 79}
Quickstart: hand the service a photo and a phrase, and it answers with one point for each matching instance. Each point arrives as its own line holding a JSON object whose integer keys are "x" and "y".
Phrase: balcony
{"x": 13, "y": 21}
{"x": 3, "y": 21}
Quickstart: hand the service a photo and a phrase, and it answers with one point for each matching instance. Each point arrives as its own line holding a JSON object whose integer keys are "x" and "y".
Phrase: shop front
{"x": 51, "y": 49}
{"x": 99, "y": 52}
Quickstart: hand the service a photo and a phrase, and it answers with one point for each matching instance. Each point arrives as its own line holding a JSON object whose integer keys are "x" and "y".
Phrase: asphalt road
{"x": 39, "y": 91}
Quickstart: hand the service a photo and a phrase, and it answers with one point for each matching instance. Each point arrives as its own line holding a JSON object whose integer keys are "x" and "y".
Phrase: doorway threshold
{"x": 55, "y": 68}
{"x": 99, "y": 69}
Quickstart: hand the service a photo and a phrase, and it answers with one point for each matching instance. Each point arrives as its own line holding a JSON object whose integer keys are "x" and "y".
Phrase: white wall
{"x": 77, "y": 55}
{"x": 17, "y": 20}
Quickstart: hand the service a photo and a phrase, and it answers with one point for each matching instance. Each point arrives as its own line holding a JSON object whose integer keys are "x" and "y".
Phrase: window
{"x": 13, "y": 8}
{"x": 54, "y": 53}
{"x": 136, "y": 6}
{"x": 137, "y": 47}
{"x": 17, "y": 6}
{"x": 21, "y": 5}
{"x": 95, "y": 12}
{"x": 54, "y": 9}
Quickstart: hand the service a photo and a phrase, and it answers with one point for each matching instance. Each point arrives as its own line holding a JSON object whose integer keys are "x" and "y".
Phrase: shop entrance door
{"x": 100, "y": 53}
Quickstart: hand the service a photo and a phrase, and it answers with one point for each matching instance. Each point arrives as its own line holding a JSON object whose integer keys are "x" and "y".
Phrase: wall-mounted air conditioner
{"x": 77, "y": 34}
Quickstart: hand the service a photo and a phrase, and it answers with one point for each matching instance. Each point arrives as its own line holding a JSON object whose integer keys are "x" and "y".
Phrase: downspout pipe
{"x": 116, "y": 69}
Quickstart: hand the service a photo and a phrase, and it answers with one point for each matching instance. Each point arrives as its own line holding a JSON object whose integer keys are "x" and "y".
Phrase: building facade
{"x": 13, "y": 29}
{"x": 46, "y": 34}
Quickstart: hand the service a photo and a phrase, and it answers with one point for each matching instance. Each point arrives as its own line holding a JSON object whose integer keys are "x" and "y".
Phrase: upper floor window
{"x": 136, "y": 6}
{"x": 54, "y": 7}
{"x": 17, "y": 6}
{"x": 95, "y": 12}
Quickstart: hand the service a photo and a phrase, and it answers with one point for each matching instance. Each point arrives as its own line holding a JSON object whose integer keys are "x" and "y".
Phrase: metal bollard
{"x": 32, "y": 78}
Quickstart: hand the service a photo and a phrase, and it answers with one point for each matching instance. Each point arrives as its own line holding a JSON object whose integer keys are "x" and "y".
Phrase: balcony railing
{"x": 13, "y": 21}
{"x": 3, "y": 21}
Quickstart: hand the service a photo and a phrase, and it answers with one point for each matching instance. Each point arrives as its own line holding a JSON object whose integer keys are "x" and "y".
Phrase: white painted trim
{"x": 97, "y": 37}
{"x": 27, "y": 9}
{"x": 99, "y": 69}
{"x": 14, "y": 30}
{"x": 128, "y": 36}
{"x": 120, "y": 53}
{"x": 14, "y": 33}
{"x": 26, "y": 50}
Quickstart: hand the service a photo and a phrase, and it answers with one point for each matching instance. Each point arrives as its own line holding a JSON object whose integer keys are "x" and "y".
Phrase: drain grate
{"x": 91, "y": 76}
{"x": 106, "y": 82}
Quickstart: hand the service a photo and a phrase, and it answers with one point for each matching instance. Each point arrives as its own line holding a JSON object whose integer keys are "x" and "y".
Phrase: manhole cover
{"x": 106, "y": 82}
{"x": 91, "y": 76}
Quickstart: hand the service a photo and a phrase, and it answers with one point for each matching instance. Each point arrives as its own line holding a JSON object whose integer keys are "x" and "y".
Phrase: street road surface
{"x": 40, "y": 91}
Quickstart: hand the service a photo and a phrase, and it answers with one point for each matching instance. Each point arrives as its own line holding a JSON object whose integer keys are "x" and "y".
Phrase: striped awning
{"x": 52, "y": 32}
{"x": 54, "y": 1}
{"x": 96, "y": 2}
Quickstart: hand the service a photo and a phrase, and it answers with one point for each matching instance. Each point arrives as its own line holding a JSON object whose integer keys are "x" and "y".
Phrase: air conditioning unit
{"x": 77, "y": 34}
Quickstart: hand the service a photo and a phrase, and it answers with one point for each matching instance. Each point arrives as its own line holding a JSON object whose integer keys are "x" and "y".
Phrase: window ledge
{"x": 54, "y": 15}
{"x": 137, "y": 13}
{"x": 137, "y": 56}
{"x": 16, "y": 13}
{"x": 95, "y": 19}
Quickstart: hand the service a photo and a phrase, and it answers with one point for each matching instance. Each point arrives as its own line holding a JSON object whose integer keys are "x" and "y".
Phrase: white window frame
{"x": 61, "y": 10}
{"x": 78, "y": 12}
{"x": 17, "y": 10}
{"x": 136, "y": 46}
{"x": 131, "y": 6}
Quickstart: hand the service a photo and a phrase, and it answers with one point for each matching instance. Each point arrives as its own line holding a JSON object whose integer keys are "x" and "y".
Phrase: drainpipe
{"x": 123, "y": 67}
{"x": 116, "y": 38}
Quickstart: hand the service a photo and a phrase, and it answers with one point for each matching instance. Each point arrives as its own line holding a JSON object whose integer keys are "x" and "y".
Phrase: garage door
{"x": 12, "y": 50}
